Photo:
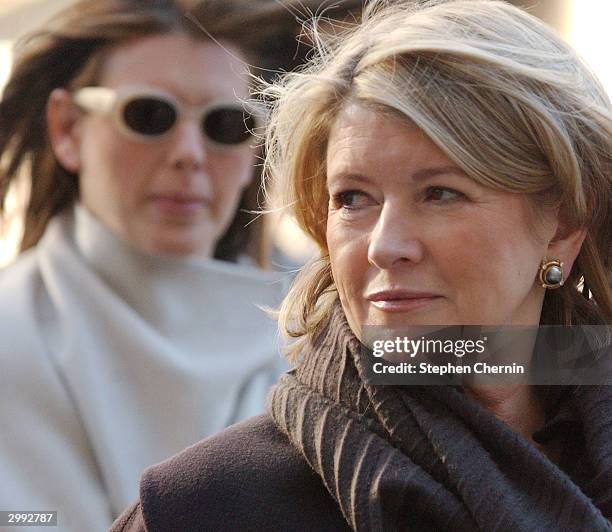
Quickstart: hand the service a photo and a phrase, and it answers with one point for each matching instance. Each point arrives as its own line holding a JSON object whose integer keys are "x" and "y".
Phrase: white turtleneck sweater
{"x": 112, "y": 360}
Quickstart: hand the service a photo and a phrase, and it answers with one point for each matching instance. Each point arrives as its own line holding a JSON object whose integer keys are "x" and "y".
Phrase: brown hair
{"x": 496, "y": 90}
{"x": 69, "y": 53}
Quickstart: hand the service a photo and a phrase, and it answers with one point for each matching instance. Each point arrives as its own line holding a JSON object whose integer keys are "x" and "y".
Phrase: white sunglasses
{"x": 148, "y": 114}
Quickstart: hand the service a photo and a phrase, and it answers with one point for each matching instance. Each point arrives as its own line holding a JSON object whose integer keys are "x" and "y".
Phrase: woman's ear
{"x": 62, "y": 126}
{"x": 565, "y": 246}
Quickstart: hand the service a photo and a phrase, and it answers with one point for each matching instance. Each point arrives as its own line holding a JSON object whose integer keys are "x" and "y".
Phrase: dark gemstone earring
{"x": 551, "y": 274}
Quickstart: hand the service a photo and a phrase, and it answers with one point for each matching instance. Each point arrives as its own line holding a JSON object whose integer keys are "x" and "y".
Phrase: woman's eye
{"x": 351, "y": 199}
{"x": 442, "y": 194}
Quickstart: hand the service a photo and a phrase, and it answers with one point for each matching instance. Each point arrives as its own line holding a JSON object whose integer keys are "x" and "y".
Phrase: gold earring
{"x": 551, "y": 274}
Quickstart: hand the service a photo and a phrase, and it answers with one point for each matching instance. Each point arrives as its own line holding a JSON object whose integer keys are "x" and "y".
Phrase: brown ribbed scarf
{"x": 430, "y": 458}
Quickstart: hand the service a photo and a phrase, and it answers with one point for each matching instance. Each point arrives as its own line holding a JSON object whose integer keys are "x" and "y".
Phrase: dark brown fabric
{"x": 247, "y": 478}
{"x": 131, "y": 519}
{"x": 383, "y": 459}
{"x": 431, "y": 458}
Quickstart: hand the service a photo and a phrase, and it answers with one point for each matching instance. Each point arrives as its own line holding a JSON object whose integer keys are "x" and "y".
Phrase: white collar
{"x": 168, "y": 291}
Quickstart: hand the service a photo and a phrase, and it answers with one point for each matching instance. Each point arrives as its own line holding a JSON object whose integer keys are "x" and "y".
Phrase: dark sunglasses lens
{"x": 149, "y": 116}
{"x": 228, "y": 125}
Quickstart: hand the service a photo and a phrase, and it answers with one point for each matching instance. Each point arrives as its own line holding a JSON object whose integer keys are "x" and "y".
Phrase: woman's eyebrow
{"x": 428, "y": 173}
{"x": 352, "y": 176}
{"x": 419, "y": 175}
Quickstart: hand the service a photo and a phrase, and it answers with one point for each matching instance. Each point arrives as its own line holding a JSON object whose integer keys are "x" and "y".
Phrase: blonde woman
{"x": 453, "y": 162}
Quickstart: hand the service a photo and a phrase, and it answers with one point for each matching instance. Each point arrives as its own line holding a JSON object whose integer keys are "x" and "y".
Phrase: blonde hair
{"x": 502, "y": 95}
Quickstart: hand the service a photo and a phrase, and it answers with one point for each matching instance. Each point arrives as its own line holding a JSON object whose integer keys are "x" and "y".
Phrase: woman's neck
{"x": 519, "y": 407}
{"x": 516, "y": 405}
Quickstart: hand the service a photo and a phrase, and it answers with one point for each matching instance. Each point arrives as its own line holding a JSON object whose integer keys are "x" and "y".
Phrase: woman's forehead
{"x": 191, "y": 69}
{"x": 357, "y": 119}
{"x": 370, "y": 138}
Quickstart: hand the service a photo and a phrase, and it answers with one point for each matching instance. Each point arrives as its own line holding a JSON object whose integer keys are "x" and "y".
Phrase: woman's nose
{"x": 396, "y": 239}
{"x": 188, "y": 151}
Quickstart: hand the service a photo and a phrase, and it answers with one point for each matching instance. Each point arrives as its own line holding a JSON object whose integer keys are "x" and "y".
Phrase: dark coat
{"x": 248, "y": 477}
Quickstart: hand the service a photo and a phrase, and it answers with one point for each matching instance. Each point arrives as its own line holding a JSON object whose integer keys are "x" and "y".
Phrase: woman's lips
{"x": 180, "y": 206}
{"x": 401, "y": 301}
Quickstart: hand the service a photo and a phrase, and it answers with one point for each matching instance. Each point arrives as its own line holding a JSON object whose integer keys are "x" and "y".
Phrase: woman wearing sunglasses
{"x": 123, "y": 336}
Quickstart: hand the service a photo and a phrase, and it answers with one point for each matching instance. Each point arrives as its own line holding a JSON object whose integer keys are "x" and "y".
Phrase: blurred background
{"x": 583, "y": 23}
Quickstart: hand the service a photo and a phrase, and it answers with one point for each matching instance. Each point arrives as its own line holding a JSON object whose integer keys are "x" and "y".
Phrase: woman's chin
{"x": 177, "y": 246}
